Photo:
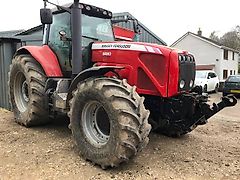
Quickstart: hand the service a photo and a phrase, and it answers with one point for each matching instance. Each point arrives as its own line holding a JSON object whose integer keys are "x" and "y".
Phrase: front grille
{"x": 186, "y": 71}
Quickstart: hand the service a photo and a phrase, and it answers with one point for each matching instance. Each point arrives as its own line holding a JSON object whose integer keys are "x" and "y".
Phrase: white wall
{"x": 204, "y": 52}
{"x": 229, "y": 64}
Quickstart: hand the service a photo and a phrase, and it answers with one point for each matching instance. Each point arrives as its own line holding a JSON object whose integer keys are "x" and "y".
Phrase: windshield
{"x": 201, "y": 74}
{"x": 233, "y": 79}
{"x": 96, "y": 29}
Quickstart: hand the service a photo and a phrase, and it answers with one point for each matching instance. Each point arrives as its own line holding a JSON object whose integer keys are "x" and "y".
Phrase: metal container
{"x": 7, "y": 49}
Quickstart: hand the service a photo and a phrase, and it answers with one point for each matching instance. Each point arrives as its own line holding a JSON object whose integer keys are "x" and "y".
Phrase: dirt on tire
{"x": 211, "y": 151}
{"x": 126, "y": 117}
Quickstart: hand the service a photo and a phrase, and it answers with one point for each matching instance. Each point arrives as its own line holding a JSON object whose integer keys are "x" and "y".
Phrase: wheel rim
{"x": 96, "y": 123}
{"x": 21, "y": 93}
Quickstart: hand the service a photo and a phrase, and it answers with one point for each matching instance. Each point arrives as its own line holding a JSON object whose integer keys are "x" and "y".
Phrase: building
{"x": 7, "y": 49}
{"x": 146, "y": 34}
{"x": 209, "y": 54}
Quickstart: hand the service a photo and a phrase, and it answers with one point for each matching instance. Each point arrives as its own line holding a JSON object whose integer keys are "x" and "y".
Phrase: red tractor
{"x": 102, "y": 84}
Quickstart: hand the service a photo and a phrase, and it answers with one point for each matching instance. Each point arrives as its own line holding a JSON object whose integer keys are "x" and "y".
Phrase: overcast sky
{"x": 169, "y": 19}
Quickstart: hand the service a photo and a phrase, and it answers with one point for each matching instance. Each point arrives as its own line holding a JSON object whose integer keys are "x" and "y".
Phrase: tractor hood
{"x": 153, "y": 68}
{"x": 145, "y": 65}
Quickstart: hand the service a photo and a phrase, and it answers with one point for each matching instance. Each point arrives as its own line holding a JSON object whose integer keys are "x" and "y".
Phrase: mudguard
{"x": 46, "y": 58}
{"x": 91, "y": 72}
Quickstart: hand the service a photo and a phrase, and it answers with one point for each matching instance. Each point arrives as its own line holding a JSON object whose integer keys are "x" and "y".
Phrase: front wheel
{"x": 108, "y": 120}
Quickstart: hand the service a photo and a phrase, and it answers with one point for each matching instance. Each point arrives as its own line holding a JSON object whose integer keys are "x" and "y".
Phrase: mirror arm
{"x": 45, "y": 4}
{"x": 62, "y": 38}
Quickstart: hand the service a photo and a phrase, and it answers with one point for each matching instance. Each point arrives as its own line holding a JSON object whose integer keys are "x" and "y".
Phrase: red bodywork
{"x": 154, "y": 69}
{"x": 45, "y": 56}
{"x": 123, "y": 34}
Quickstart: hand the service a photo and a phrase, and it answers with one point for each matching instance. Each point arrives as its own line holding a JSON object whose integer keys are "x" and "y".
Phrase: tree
{"x": 230, "y": 39}
{"x": 214, "y": 37}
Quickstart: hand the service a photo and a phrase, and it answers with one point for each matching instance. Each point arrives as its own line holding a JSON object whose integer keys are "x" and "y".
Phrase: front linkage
{"x": 179, "y": 115}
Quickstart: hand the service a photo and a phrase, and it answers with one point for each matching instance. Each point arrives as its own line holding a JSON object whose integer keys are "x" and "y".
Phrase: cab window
{"x": 61, "y": 22}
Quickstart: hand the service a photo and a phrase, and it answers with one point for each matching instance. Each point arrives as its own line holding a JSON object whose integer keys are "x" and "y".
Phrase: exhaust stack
{"x": 76, "y": 17}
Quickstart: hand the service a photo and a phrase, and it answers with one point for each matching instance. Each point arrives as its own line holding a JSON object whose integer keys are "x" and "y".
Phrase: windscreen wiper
{"x": 93, "y": 38}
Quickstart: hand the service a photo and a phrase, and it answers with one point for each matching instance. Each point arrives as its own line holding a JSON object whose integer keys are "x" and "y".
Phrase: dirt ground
{"x": 209, "y": 152}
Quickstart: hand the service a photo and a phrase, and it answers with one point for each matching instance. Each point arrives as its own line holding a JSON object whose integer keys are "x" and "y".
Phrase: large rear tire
{"x": 27, "y": 96}
{"x": 108, "y": 120}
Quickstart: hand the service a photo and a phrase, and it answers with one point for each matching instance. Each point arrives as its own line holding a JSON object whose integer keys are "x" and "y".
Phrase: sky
{"x": 168, "y": 19}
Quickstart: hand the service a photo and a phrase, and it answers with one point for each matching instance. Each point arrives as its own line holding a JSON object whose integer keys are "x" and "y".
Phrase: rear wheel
{"x": 27, "y": 96}
{"x": 108, "y": 120}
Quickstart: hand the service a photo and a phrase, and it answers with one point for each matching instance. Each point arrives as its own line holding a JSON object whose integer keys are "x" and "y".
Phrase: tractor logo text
{"x": 120, "y": 46}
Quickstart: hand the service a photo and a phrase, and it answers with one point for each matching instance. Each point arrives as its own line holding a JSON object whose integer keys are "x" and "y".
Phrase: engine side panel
{"x": 45, "y": 56}
{"x": 146, "y": 67}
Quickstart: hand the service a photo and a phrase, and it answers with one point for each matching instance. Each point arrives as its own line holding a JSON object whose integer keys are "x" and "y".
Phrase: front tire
{"x": 26, "y": 91}
{"x": 108, "y": 120}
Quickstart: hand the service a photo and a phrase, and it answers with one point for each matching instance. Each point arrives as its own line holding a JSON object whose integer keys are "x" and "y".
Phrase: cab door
{"x": 61, "y": 22}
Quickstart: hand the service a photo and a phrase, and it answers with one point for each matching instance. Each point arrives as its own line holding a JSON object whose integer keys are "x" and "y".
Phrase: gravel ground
{"x": 209, "y": 152}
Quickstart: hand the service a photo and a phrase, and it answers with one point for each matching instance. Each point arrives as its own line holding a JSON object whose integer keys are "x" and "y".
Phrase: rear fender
{"x": 45, "y": 57}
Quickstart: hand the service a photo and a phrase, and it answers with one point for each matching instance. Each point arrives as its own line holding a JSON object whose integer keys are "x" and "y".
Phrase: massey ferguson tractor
{"x": 111, "y": 91}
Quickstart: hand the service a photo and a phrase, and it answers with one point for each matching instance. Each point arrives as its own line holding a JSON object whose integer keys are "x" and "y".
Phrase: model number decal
{"x": 106, "y": 53}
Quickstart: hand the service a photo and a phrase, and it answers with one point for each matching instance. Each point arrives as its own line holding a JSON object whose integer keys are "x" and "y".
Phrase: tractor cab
{"x": 95, "y": 26}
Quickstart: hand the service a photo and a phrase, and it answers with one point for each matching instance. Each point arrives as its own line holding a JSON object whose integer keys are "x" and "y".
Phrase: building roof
{"x": 208, "y": 40}
{"x": 8, "y": 34}
{"x": 29, "y": 31}
{"x": 141, "y": 25}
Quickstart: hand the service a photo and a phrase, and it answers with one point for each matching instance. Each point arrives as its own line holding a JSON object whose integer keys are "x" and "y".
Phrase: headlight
{"x": 182, "y": 84}
{"x": 191, "y": 84}
{"x": 180, "y": 58}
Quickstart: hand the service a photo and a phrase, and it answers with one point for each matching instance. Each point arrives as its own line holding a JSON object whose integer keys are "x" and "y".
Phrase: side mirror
{"x": 46, "y": 16}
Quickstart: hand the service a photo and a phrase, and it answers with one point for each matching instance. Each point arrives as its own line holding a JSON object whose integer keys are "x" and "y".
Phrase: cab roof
{"x": 87, "y": 9}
